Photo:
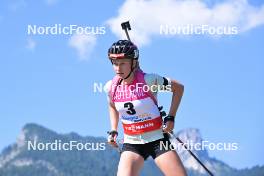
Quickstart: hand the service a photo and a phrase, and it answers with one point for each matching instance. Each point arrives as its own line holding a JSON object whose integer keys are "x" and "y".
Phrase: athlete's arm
{"x": 177, "y": 89}
{"x": 169, "y": 85}
{"x": 113, "y": 116}
{"x": 114, "y": 123}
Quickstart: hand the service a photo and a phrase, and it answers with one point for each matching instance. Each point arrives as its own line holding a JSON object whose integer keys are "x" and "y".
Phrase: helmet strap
{"x": 131, "y": 70}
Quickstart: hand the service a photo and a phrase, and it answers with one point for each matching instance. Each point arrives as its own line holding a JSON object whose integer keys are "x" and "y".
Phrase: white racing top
{"x": 137, "y": 109}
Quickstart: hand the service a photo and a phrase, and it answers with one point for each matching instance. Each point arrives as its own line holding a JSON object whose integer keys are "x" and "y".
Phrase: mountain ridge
{"x": 16, "y": 159}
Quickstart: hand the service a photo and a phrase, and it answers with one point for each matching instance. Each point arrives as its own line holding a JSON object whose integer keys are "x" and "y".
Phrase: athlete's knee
{"x": 129, "y": 166}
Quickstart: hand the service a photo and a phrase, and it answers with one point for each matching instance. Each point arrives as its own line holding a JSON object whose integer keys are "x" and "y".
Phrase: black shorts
{"x": 153, "y": 149}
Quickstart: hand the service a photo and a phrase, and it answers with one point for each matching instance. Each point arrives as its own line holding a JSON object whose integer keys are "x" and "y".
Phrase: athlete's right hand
{"x": 112, "y": 138}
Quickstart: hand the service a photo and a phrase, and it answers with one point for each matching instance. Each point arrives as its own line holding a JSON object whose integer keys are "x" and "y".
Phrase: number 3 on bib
{"x": 130, "y": 108}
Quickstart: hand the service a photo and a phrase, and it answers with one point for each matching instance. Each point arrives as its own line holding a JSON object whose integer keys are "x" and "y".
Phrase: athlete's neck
{"x": 130, "y": 79}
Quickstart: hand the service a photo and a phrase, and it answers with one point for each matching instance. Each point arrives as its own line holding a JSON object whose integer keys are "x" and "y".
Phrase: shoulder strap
{"x": 141, "y": 78}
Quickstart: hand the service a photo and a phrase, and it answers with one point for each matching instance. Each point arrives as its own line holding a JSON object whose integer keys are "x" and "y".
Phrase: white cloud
{"x": 146, "y": 16}
{"x": 31, "y": 44}
{"x": 84, "y": 44}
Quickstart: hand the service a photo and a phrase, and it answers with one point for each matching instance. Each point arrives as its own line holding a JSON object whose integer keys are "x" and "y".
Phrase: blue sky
{"x": 48, "y": 79}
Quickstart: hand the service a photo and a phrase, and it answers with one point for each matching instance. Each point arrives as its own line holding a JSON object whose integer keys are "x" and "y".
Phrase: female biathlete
{"x": 132, "y": 96}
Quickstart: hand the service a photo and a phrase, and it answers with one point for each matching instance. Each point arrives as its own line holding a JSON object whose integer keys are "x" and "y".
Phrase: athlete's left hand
{"x": 169, "y": 125}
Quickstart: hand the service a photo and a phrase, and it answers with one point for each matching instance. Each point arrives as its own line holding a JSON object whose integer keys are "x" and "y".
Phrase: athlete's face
{"x": 122, "y": 67}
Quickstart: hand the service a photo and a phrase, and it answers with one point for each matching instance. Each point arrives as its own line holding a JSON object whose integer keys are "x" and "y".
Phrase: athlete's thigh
{"x": 170, "y": 164}
{"x": 130, "y": 164}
